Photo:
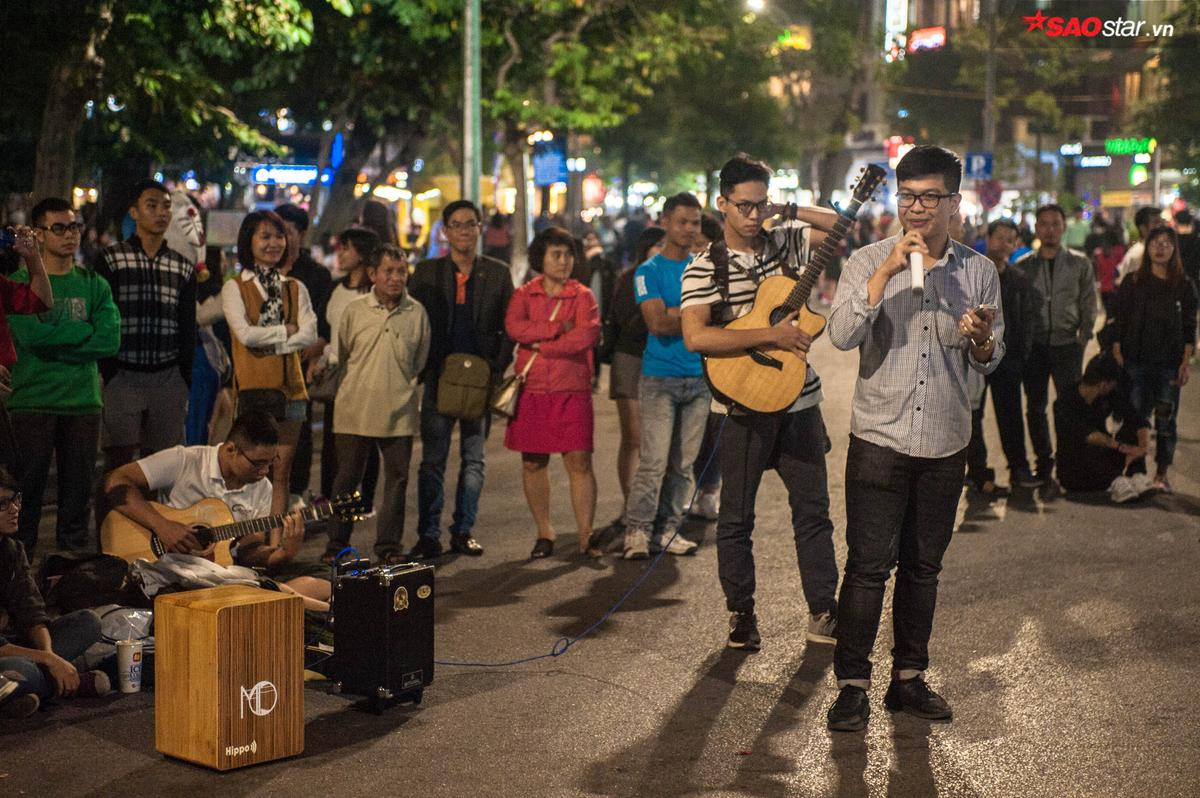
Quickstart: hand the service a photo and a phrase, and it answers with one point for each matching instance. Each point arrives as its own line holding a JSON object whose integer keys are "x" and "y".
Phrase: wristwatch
{"x": 991, "y": 339}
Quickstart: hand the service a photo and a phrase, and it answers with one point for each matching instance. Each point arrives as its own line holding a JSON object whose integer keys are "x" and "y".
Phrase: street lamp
{"x": 756, "y": 6}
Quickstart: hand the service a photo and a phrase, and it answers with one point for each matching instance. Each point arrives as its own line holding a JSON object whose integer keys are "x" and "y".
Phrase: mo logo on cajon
{"x": 259, "y": 699}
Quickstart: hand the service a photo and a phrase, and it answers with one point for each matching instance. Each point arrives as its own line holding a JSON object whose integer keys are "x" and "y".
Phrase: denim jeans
{"x": 72, "y": 441}
{"x": 206, "y": 384}
{"x": 794, "y": 444}
{"x": 1005, "y": 387}
{"x": 396, "y": 454}
{"x": 1153, "y": 393}
{"x": 707, "y": 467}
{"x": 899, "y": 511}
{"x": 1065, "y": 365}
{"x": 70, "y": 636}
{"x": 674, "y": 411}
{"x": 436, "y": 430}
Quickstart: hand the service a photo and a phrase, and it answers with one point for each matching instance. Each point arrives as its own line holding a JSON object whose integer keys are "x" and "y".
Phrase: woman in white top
{"x": 270, "y": 321}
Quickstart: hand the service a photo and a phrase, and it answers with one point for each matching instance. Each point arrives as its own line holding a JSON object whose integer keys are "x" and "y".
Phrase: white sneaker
{"x": 708, "y": 506}
{"x": 637, "y": 545}
{"x": 1122, "y": 490}
{"x": 673, "y": 542}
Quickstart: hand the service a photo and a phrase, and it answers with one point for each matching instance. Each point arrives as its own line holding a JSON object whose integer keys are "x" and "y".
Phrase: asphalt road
{"x": 1066, "y": 638}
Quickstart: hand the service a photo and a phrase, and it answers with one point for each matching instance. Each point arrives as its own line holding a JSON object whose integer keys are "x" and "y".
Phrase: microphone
{"x": 916, "y": 267}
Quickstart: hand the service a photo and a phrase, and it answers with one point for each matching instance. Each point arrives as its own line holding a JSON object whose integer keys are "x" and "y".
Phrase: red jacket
{"x": 16, "y": 298}
{"x": 564, "y": 362}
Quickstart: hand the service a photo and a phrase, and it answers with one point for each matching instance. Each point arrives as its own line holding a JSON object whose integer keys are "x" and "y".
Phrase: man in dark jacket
{"x": 319, "y": 283}
{"x": 1063, "y": 288}
{"x": 465, "y": 296}
{"x": 1005, "y": 381}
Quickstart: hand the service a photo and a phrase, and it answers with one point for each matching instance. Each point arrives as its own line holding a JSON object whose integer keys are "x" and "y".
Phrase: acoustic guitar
{"x": 770, "y": 380}
{"x": 212, "y": 522}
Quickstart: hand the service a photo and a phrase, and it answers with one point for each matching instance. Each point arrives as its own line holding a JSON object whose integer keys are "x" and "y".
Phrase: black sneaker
{"x": 914, "y": 697}
{"x": 743, "y": 631}
{"x": 426, "y": 549}
{"x": 850, "y": 712}
{"x": 1025, "y": 478}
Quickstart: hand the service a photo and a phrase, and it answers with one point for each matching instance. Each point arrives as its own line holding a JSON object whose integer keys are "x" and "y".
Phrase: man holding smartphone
{"x": 910, "y": 424}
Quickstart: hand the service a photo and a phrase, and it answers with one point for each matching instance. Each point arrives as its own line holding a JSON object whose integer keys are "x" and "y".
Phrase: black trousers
{"x": 977, "y": 456}
{"x": 1005, "y": 387}
{"x": 899, "y": 512}
{"x": 73, "y": 442}
{"x": 329, "y": 462}
{"x": 1065, "y": 365}
{"x": 353, "y": 452}
{"x": 794, "y": 444}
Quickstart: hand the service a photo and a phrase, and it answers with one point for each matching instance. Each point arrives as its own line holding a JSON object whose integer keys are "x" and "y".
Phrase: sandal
{"x": 543, "y": 548}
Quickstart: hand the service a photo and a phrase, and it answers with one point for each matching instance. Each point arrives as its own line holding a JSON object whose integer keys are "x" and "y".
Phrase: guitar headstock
{"x": 347, "y": 506}
{"x": 870, "y": 178}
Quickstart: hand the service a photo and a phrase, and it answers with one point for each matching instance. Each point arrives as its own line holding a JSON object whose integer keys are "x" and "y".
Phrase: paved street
{"x": 1066, "y": 638}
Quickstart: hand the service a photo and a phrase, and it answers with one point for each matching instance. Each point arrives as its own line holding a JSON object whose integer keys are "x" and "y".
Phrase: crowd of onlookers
{"x": 201, "y": 381}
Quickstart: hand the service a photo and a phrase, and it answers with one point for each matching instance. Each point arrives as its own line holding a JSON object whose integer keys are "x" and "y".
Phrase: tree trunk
{"x": 515, "y": 155}
{"x": 338, "y": 213}
{"x": 71, "y": 83}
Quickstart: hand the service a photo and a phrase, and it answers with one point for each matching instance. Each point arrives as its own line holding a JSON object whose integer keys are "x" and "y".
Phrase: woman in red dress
{"x": 556, "y": 324}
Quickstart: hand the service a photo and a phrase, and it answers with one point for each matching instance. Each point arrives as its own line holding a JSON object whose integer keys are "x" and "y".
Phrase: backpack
{"x": 90, "y": 582}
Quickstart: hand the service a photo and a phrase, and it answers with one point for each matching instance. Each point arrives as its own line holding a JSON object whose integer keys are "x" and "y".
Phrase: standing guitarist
{"x": 234, "y": 472}
{"x": 910, "y": 423}
{"x": 719, "y": 285}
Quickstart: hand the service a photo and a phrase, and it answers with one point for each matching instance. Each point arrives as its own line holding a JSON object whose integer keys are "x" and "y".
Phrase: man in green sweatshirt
{"x": 55, "y": 403}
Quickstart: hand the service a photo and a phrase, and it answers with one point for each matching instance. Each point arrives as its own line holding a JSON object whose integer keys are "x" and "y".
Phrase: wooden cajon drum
{"x": 229, "y": 676}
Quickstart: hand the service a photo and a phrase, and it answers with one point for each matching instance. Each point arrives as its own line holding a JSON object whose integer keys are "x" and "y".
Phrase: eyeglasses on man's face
{"x": 748, "y": 209}
{"x": 12, "y": 500}
{"x": 62, "y": 228}
{"x": 468, "y": 225}
{"x": 929, "y": 199}
{"x": 259, "y": 465}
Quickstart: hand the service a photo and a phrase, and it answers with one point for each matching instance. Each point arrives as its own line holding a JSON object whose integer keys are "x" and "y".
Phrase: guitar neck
{"x": 240, "y": 529}
{"x": 798, "y": 297}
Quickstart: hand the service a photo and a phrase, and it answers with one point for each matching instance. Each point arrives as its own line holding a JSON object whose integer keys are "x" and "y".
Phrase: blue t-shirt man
{"x": 666, "y": 355}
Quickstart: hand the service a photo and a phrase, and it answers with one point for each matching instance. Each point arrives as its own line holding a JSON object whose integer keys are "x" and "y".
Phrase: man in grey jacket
{"x": 1062, "y": 291}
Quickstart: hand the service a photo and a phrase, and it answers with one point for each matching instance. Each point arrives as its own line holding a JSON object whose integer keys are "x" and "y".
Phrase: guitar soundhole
{"x": 203, "y": 536}
{"x": 777, "y": 315}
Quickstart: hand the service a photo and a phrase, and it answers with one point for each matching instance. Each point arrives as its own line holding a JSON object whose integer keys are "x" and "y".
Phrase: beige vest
{"x": 265, "y": 370}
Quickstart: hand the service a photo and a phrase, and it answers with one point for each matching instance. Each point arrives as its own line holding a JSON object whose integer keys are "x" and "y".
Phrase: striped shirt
{"x": 787, "y": 241}
{"x": 912, "y": 393}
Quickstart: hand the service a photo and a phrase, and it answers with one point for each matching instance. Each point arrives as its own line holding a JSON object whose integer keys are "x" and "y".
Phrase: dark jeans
{"x": 899, "y": 510}
{"x": 72, "y": 441}
{"x": 1005, "y": 387}
{"x": 436, "y": 430}
{"x": 8, "y": 446}
{"x": 352, "y": 461}
{"x": 1153, "y": 393}
{"x": 202, "y": 397}
{"x": 70, "y": 636}
{"x": 329, "y": 467}
{"x": 302, "y": 460}
{"x": 794, "y": 444}
{"x": 977, "y": 456}
{"x": 1065, "y": 365}
{"x": 707, "y": 468}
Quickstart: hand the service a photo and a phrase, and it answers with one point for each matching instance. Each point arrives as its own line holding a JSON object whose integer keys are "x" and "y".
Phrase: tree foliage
{"x": 1174, "y": 118}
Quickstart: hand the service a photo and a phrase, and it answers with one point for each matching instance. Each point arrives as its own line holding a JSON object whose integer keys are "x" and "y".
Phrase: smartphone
{"x": 986, "y": 307}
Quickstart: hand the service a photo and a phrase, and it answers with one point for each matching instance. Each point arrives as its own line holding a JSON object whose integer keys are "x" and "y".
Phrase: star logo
{"x": 1036, "y": 22}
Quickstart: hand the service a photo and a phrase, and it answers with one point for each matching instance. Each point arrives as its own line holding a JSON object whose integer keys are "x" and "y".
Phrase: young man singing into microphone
{"x": 910, "y": 424}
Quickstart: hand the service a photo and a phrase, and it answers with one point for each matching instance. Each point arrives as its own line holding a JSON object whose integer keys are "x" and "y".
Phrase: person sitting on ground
{"x": 1090, "y": 458}
{"x": 234, "y": 472}
{"x": 39, "y": 653}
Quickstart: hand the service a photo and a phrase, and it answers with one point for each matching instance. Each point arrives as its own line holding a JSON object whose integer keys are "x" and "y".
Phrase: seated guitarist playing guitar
{"x": 794, "y": 443}
{"x": 234, "y": 472}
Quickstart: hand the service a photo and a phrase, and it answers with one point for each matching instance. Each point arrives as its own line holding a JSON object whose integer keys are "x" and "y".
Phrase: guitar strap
{"x": 718, "y": 253}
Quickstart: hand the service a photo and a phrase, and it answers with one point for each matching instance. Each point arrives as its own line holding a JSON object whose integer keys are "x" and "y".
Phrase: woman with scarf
{"x": 270, "y": 320}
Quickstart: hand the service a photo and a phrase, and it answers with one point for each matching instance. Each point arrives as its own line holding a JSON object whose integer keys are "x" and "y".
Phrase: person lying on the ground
{"x": 36, "y": 652}
{"x": 236, "y": 473}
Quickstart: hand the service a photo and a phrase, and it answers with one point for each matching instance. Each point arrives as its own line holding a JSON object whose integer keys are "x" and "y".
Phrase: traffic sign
{"x": 979, "y": 165}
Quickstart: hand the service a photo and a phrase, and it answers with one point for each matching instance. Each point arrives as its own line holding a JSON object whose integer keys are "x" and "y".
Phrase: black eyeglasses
{"x": 462, "y": 225}
{"x": 929, "y": 199}
{"x": 60, "y": 228}
{"x": 259, "y": 465}
{"x": 12, "y": 501}
{"x": 746, "y": 208}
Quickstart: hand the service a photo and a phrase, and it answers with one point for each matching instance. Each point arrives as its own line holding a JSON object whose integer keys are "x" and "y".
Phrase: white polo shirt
{"x": 183, "y": 475}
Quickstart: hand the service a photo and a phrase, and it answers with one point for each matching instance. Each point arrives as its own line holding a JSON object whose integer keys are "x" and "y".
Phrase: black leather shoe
{"x": 543, "y": 548}
{"x": 465, "y": 544}
{"x": 914, "y": 697}
{"x": 850, "y": 712}
{"x": 426, "y": 549}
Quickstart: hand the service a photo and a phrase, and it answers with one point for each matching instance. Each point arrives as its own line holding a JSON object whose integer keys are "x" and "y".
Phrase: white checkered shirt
{"x": 911, "y": 394}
